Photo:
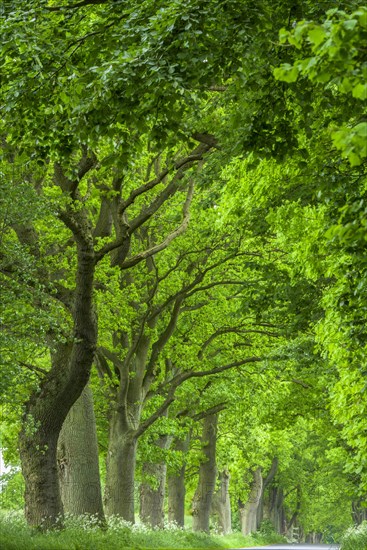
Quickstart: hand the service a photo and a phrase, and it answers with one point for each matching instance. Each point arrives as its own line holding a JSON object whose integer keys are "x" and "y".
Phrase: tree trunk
{"x": 119, "y": 496}
{"x": 176, "y": 486}
{"x": 263, "y": 508}
{"x": 125, "y": 420}
{"x": 248, "y": 511}
{"x": 221, "y": 504}
{"x": 291, "y": 523}
{"x": 152, "y": 494}
{"x": 202, "y": 500}
{"x": 314, "y": 538}
{"x": 77, "y": 458}
{"x": 43, "y": 507}
{"x": 49, "y": 404}
{"x": 276, "y": 512}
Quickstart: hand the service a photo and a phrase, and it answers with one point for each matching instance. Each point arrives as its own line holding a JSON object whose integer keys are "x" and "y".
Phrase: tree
{"x": 74, "y": 138}
{"x": 336, "y": 65}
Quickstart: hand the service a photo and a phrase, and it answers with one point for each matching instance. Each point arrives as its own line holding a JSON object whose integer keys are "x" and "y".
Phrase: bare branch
{"x": 146, "y": 213}
{"x": 155, "y": 416}
{"x": 33, "y": 368}
{"x": 190, "y": 289}
{"x": 180, "y": 378}
{"x": 181, "y": 166}
{"x": 212, "y": 410}
{"x": 86, "y": 163}
{"x": 80, "y": 4}
{"x": 142, "y": 189}
{"x": 209, "y": 139}
{"x": 160, "y": 343}
{"x": 157, "y": 248}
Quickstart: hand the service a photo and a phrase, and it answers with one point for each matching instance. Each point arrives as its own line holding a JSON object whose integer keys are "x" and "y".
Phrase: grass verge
{"x": 83, "y": 534}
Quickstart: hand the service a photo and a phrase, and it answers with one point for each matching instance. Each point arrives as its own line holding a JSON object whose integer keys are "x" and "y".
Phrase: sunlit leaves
{"x": 337, "y": 63}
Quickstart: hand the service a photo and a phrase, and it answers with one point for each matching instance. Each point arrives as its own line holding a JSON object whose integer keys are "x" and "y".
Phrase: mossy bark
{"x": 77, "y": 459}
{"x": 249, "y": 509}
{"x": 176, "y": 486}
{"x": 48, "y": 406}
{"x": 202, "y": 500}
{"x": 221, "y": 504}
{"x": 153, "y": 489}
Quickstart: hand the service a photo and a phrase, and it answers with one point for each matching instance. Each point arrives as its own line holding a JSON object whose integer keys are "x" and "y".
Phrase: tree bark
{"x": 263, "y": 508}
{"x": 49, "y": 405}
{"x": 276, "y": 511}
{"x": 176, "y": 486}
{"x": 248, "y": 511}
{"x": 125, "y": 420}
{"x": 77, "y": 458}
{"x": 119, "y": 496}
{"x": 152, "y": 496}
{"x": 221, "y": 505}
{"x": 202, "y": 500}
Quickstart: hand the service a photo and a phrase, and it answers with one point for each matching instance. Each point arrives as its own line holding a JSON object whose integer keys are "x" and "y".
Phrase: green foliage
{"x": 11, "y": 490}
{"x": 336, "y": 64}
{"x": 83, "y": 533}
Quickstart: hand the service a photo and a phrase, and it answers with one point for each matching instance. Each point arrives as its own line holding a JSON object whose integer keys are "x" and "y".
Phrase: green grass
{"x": 84, "y": 535}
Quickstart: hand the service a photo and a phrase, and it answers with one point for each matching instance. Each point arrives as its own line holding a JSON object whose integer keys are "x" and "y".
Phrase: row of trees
{"x": 187, "y": 224}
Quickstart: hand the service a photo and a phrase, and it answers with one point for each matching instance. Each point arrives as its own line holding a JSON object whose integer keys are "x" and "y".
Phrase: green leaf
{"x": 64, "y": 97}
{"x": 317, "y": 35}
{"x": 286, "y": 72}
{"x": 283, "y": 36}
{"x": 360, "y": 91}
{"x": 362, "y": 17}
{"x": 350, "y": 24}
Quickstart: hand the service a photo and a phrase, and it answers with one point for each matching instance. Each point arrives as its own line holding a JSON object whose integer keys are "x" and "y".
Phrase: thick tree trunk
{"x": 49, "y": 405}
{"x": 43, "y": 507}
{"x": 119, "y": 497}
{"x": 264, "y": 508}
{"x": 221, "y": 505}
{"x": 77, "y": 458}
{"x": 176, "y": 486}
{"x": 202, "y": 500}
{"x": 248, "y": 511}
{"x": 152, "y": 496}
{"x": 276, "y": 512}
{"x": 125, "y": 421}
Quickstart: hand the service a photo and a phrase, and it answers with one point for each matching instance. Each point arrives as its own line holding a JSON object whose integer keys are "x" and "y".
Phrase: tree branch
{"x": 33, "y": 368}
{"x": 142, "y": 189}
{"x": 80, "y": 4}
{"x": 180, "y": 379}
{"x": 161, "y": 246}
{"x": 181, "y": 167}
{"x": 212, "y": 410}
{"x": 160, "y": 343}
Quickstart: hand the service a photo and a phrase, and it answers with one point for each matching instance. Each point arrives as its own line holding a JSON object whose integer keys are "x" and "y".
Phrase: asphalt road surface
{"x": 297, "y": 547}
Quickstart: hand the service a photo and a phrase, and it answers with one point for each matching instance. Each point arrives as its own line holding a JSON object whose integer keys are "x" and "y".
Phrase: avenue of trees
{"x": 183, "y": 262}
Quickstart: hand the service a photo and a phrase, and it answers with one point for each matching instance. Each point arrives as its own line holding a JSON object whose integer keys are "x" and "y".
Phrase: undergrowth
{"x": 84, "y": 534}
{"x": 355, "y": 538}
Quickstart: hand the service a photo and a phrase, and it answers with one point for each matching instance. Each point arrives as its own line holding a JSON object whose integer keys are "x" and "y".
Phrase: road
{"x": 296, "y": 547}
